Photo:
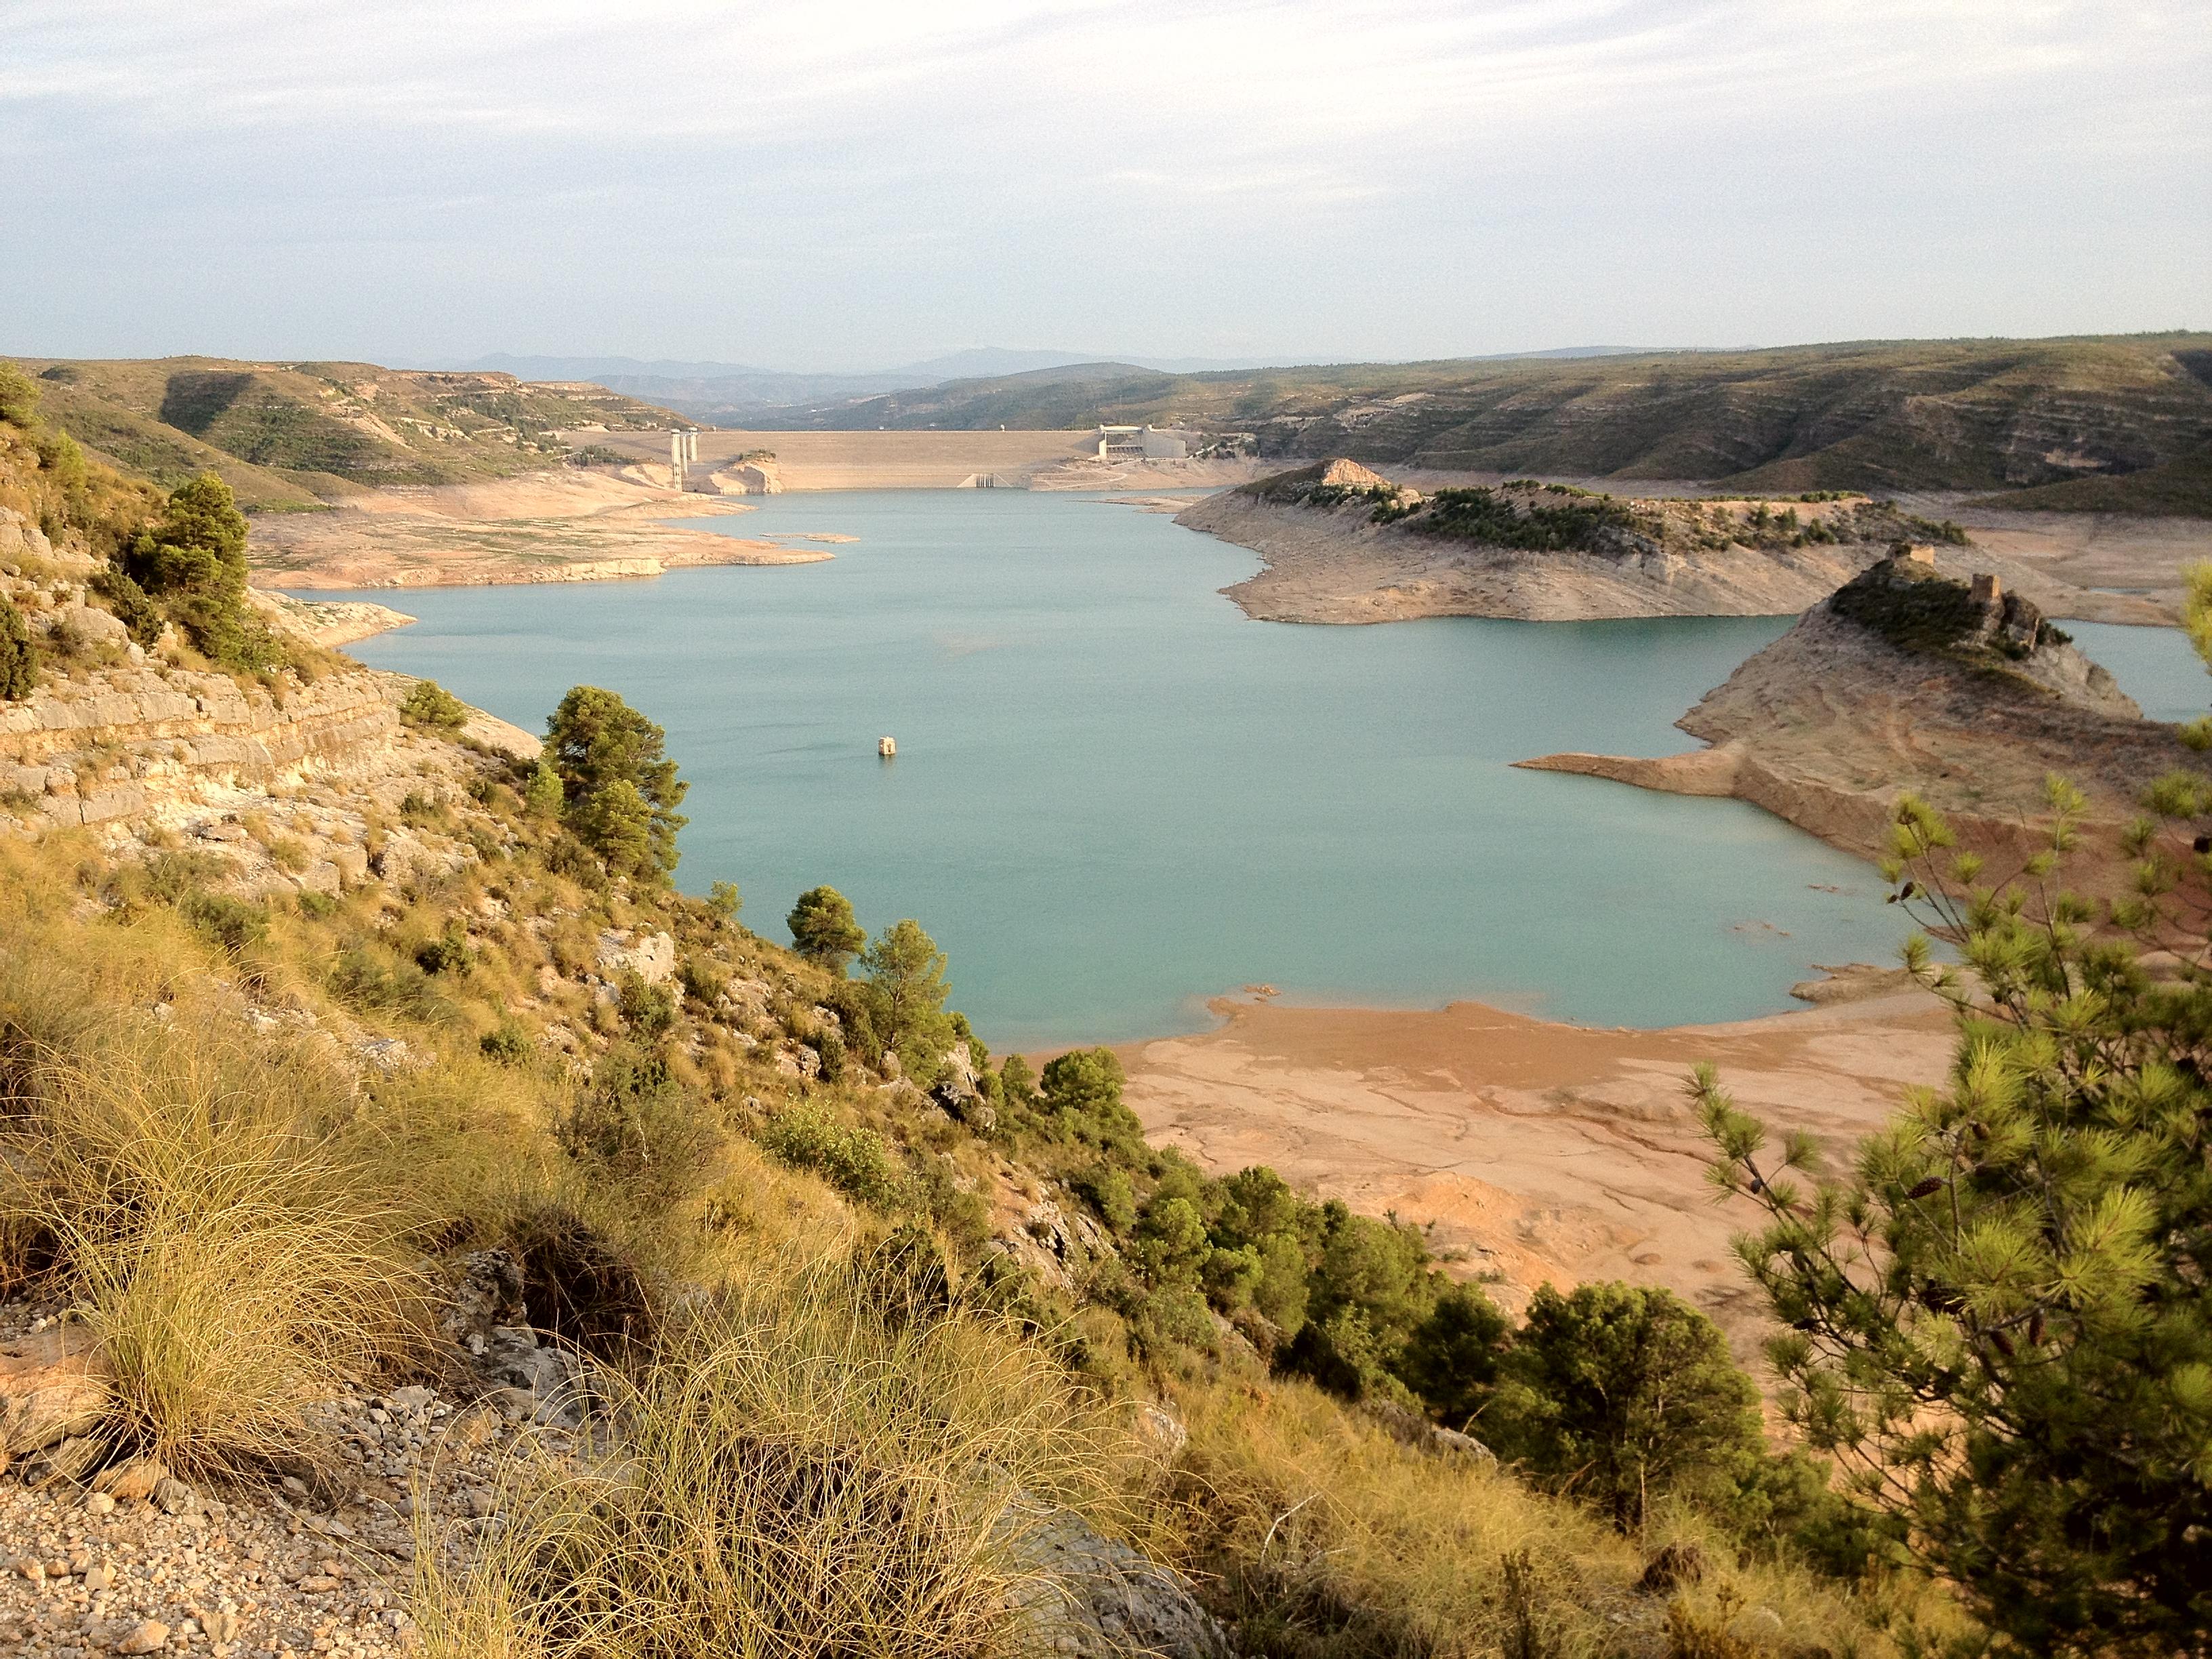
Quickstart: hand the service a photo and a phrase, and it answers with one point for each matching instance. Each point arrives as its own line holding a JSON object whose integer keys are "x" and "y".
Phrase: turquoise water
{"x": 2156, "y": 666}
{"x": 1117, "y": 796}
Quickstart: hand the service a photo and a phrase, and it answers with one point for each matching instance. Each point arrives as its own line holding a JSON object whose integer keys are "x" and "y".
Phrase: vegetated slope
{"x": 294, "y": 435}
{"x": 1345, "y": 544}
{"x": 1984, "y": 415}
{"x": 1905, "y": 680}
{"x": 374, "y": 1059}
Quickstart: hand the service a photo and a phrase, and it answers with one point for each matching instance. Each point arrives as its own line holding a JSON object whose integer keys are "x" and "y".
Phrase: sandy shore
{"x": 566, "y": 526}
{"x": 1535, "y": 1150}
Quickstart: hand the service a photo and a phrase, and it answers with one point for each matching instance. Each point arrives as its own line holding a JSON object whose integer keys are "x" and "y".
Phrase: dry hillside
{"x": 290, "y": 436}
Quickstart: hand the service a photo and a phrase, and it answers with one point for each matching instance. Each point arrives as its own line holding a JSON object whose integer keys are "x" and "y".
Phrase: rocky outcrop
{"x": 1344, "y": 543}
{"x": 116, "y": 735}
{"x": 114, "y": 743}
{"x": 1973, "y": 712}
{"x": 651, "y": 956}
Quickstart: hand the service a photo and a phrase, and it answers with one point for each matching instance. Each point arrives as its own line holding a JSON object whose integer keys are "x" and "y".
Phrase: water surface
{"x": 1117, "y": 796}
{"x": 2156, "y": 666}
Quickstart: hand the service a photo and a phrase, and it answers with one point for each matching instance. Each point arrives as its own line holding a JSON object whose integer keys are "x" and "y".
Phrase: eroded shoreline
{"x": 1532, "y": 1150}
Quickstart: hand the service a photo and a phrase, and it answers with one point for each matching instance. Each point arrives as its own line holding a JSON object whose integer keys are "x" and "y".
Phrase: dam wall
{"x": 878, "y": 460}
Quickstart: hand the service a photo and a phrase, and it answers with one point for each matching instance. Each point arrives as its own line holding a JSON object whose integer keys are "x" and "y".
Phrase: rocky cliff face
{"x": 114, "y": 731}
{"x": 304, "y": 784}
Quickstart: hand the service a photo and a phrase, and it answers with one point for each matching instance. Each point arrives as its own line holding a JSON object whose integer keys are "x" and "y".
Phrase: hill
{"x": 296, "y": 436}
{"x": 2131, "y": 414}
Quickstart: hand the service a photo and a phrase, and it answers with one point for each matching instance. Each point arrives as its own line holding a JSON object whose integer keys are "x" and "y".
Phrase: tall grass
{"x": 795, "y": 1475}
{"x": 205, "y": 1195}
{"x": 1328, "y": 1540}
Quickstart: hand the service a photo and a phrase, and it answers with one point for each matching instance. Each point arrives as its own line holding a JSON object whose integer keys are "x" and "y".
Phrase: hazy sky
{"x": 849, "y": 185}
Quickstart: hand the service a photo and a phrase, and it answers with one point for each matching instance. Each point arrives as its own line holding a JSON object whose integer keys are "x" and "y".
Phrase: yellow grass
{"x": 1332, "y": 1539}
{"x": 794, "y": 1476}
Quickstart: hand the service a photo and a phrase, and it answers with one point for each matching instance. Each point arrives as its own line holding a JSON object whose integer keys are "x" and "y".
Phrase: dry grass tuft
{"x": 204, "y": 1194}
{"x": 795, "y": 1477}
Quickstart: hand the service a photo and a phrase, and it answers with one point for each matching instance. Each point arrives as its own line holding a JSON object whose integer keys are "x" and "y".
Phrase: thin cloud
{"x": 976, "y": 160}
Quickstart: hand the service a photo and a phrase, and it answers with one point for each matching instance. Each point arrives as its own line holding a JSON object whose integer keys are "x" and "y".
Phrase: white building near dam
{"x": 1142, "y": 443}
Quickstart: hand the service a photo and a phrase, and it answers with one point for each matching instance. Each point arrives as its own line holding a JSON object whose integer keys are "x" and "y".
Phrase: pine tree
{"x": 2001, "y": 1315}
{"x": 618, "y": 788}
{"x": 823, "y": 930}
{"x": 907, "y": 987}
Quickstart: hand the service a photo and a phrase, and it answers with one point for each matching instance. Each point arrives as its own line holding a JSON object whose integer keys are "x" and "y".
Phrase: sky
{"x": 842, "y": 186}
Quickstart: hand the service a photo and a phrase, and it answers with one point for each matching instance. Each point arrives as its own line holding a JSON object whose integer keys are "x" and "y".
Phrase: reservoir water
{"x": 1116, "y": 796}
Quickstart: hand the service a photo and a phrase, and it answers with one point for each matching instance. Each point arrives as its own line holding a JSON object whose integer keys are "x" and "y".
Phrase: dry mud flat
{"x": 1537, "y": 1152}
{"x": 544, "y": 527}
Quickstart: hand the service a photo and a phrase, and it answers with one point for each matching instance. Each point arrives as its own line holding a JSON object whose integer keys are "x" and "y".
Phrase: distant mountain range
{"x": 732, "y": 393}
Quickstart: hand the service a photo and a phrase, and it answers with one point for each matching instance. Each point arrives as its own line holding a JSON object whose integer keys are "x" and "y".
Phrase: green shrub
{"x": 1107, "y": 1191}
{"x": 855, "y": 1160}
{"x": 506, "y": 1042}
{"x": 132, "y": 605}
{"x": 1581, "y": 523}
{"x": 648, "y": 1009}
{"x": 703, "y": 978}
{"x": 1909, "y": 605}
{"x": 636, "y": 1124}
{"x": 360, "y": 976}
{"x": 433, "y": 708}
{"x": 233, "y": 923}
{"x": 449, "y": 953}
{"x": 831, "y": 1047}
{"x": 19, "y": 656}
{"x": 1622, "y": 1393}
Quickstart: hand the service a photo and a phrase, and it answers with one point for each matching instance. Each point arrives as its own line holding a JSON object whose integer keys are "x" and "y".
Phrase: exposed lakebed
{"x": 1117, "y": 796}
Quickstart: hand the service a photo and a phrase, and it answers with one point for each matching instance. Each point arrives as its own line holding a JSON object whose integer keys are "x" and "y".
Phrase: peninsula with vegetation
{"x": 1909, "y": 679}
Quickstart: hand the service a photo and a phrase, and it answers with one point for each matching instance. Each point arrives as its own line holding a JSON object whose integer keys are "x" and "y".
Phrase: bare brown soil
{"x": 1536, "y": 1152}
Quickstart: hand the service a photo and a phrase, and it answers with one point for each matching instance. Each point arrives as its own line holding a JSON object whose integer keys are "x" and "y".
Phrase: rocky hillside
{"x": 1909, "y": 679}
{"x": 423, "y": 1229}
{"x": 1882, "y": 416}
{"x": 1343, "y": 544}
{"x": 290, "y": 436}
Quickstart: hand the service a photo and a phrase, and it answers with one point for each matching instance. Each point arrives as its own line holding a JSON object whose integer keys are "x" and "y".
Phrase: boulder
{"x": 1095, "y": 1596}
{"x": 51, "y": 1387}
{"x": 1410, "y": 1428}
{"x": 133, "y": 1481}
{"x": 651, "y": 956}
{"x": 84, "y": 624}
